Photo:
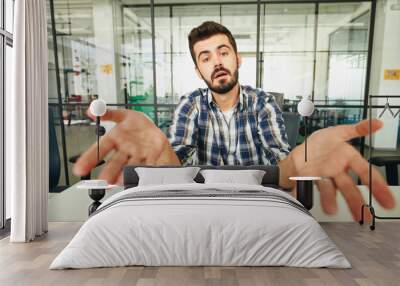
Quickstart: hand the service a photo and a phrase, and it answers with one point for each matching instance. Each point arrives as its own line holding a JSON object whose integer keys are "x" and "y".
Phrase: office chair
{"x": 55, "y": 160}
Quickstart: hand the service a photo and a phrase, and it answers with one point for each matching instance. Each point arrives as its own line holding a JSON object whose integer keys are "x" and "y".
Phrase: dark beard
{"x": 224, "y": 87}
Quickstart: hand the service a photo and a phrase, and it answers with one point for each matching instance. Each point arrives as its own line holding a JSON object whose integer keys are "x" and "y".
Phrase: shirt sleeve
{"x": 271, "y": 128}
{"x": 183, "y": 132}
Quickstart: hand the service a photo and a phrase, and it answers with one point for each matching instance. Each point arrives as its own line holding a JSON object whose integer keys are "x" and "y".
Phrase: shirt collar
{"x": 242, "y": 98}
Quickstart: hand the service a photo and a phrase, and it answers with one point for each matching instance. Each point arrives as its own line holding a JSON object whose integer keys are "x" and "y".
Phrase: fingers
{"x": 132, "y": 161}
{"x": 327, "y": 195}
{"x": 351, "y": 194}
{"x": 327, "y": 190}
{"x": 348, "y": 158}
{"x": 113, "y": 167}
{"x": 116, "y": 115}
{"x": 362, "y": 127}
{"x": 379, "y": 186}
{"x": 120, "y": 180}
{"x": 88, "y": 160}
{"x": 114, "y": 173}
{"x": 348, "y": 132}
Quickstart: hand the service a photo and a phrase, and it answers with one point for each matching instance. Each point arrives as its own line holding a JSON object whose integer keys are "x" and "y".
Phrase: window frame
{"x": 6, "y": 39}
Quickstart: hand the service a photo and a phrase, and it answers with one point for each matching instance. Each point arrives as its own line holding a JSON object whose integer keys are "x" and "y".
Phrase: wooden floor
{"x": 375, "y": 256}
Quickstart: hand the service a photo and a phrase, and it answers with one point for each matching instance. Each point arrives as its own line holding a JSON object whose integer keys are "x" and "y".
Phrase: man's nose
{"x": 217, "y": 61}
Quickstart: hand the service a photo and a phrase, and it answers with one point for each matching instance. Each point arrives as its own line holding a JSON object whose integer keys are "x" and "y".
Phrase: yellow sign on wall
{"x": 392, "y": 74}
{"x": 107, "y": 68}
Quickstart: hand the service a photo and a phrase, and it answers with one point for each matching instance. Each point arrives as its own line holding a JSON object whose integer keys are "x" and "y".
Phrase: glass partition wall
{"x": 135, "y": 55}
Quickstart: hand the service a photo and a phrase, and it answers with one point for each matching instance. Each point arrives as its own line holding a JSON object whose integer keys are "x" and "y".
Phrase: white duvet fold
{"x": 230, "y": 230}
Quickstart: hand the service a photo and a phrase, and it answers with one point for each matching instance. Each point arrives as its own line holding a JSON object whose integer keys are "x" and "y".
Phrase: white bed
{"x": 225, "y": 225}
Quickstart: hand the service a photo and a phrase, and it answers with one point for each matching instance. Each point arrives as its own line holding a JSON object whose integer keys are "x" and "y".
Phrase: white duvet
{"x": 183, "y": 231}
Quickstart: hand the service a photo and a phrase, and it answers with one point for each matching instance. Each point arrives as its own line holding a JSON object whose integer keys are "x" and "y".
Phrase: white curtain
{"x": 27, "y": 173}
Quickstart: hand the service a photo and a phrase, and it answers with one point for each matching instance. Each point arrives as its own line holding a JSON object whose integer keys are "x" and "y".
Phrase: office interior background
{"x": 134, "y": 54}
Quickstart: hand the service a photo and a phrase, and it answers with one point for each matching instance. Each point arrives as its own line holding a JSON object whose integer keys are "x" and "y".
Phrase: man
{"x": 226, "y": 124}
{"x": 232, "y": 124}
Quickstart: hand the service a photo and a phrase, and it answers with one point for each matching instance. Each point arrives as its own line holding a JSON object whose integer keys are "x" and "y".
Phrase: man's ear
{"x": 239, "y": 60}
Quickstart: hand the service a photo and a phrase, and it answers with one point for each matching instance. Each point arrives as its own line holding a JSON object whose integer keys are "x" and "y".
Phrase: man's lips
{"x": 220, "y": 74}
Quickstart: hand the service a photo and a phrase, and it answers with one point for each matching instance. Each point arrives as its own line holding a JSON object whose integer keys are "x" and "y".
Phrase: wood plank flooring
{"x": 375, "y": 256}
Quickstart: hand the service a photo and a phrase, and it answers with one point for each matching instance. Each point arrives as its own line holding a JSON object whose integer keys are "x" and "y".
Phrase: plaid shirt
{"x": 255, "y": 134}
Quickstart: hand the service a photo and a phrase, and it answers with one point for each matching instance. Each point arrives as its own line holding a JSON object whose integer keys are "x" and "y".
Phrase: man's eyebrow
{"x": 219, "y": 47}
{"x": 223, "y": 46}
{"x": 203, "y": 52}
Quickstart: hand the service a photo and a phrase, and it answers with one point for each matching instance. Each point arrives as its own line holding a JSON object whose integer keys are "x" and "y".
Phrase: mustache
{"x": 218, "y": 70}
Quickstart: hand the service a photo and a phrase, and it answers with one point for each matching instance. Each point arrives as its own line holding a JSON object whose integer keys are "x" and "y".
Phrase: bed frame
{"x": 270, "y": 179}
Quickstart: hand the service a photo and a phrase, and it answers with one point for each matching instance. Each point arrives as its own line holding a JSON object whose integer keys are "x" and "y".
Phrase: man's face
{"x": 217, "y": 63}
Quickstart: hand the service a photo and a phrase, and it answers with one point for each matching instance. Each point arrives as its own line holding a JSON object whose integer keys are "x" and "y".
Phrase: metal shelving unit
{"x": 370, "y": 205}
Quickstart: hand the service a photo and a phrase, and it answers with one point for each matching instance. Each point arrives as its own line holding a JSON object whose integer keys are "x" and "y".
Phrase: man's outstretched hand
{"x": 330, "y": 156}
{"x": 134, "y": 140}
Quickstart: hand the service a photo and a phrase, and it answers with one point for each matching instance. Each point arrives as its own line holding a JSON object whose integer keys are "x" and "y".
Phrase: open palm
{"x": 330, "y": 156}
{"x": 134, "y": 140}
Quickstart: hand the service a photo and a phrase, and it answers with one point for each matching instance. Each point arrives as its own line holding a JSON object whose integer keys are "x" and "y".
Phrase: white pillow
{"x": 249, "y": 177}
{"x": 163, "y": 176}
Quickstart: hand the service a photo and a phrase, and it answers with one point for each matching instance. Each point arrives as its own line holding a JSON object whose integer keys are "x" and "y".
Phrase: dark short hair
{"x": 205, "y": 31}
